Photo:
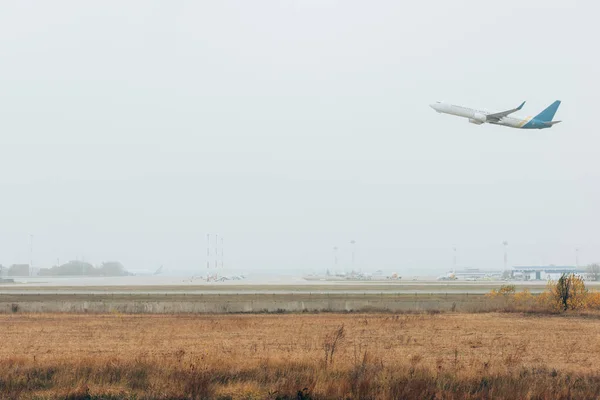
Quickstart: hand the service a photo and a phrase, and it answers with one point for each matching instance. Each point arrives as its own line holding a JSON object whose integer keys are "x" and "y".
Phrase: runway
{"x": 253, "y": 285}
{"x": 256, "y": 294}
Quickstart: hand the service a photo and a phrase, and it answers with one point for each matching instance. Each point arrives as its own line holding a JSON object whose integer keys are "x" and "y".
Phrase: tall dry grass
{"x": 290, "y": 356}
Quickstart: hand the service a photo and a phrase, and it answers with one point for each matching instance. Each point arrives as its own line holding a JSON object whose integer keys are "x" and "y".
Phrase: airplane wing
{"x": 497, "y": 116}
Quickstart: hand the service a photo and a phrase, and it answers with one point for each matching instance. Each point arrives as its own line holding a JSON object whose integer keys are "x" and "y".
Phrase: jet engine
{"x": 475, "y": 121}
{"x": 479, "y": 117}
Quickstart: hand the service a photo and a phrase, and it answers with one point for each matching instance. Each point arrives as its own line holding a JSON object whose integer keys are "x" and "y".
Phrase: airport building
{"x": 544, "y": 273}
{"x": 469, "y": 274}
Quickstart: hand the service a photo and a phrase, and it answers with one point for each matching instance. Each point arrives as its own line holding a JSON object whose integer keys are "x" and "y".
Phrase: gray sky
{"x": 129, "y": 130}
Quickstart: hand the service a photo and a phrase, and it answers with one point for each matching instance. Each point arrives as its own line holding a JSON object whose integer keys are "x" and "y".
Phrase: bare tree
{"x": 593, "y": 271}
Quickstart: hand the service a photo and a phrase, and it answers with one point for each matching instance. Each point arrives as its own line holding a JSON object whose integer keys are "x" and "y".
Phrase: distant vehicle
{"x": 541, "y": 121}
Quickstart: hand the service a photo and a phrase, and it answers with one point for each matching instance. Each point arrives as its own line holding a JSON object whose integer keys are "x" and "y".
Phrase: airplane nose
{"x": 437, "y": 106}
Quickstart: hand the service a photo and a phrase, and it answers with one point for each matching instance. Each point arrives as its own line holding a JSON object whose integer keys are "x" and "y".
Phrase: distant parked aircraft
{"x": 478, "y": 117}
{"x": 145, "y": 272}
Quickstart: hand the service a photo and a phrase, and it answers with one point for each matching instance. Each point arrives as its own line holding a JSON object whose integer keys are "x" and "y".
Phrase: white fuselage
{"x": 478, "y": 116}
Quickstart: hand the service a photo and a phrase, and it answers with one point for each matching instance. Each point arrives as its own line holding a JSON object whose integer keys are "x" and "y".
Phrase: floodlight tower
{"x": 216, "y": 256}
{"x": 216, "y": 248}
{"x": 335, "y": 258}
{"x": 207, "y": 257}
{"x": 208, "y": 250}
{"x": 30, "y": 255}
{"x": 505, "y": 244}
{"x": 454, "y": 260}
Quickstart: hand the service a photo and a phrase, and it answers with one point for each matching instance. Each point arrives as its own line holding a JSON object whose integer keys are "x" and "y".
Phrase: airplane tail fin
{"x": 548, "y": 113}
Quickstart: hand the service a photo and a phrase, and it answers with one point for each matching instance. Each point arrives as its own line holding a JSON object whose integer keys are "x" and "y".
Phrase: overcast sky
{"x": 130, "y": 130}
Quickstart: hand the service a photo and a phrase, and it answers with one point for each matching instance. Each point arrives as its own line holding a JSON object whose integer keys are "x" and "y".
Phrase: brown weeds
{"x": 379, "y": 356}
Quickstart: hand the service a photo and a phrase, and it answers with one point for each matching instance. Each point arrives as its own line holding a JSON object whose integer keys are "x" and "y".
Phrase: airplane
{"x": 145, "y": 272}
{"x": 450, "y": 276}
{"x": 541, "y": 121}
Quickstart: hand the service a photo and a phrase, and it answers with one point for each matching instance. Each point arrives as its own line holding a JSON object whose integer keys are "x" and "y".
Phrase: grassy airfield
{"x": 323, "y": 356}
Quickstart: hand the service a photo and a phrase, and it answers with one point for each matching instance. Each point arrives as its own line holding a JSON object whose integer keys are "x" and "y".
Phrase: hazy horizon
{"x": 131, "y": 130}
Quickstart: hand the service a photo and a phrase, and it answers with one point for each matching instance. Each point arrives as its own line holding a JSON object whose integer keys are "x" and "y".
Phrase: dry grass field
{"x": 373, "y": 356}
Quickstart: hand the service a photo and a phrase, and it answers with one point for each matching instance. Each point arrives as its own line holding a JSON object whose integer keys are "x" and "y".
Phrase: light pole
{"x": 505, "y": 244}
{"x": 454, "y": 260}
{"x": 216, "y": 250}
{"x": 335, "y": 249}
{"x": 30, "y": 255}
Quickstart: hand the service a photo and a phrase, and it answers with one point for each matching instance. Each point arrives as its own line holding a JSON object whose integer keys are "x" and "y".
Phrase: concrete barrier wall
{"x": 478, "y": 303}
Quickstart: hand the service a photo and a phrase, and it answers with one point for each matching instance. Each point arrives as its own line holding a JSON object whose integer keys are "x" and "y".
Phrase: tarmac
{"x": 255, "y": 294}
